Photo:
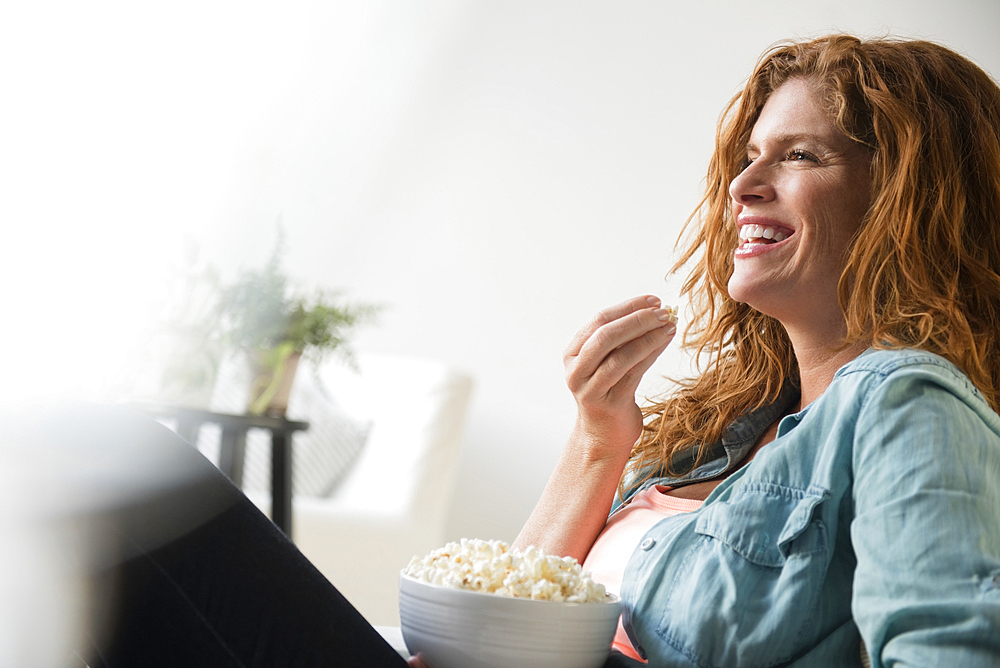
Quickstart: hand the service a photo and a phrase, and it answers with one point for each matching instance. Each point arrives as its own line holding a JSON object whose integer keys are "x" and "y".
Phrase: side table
{"x": 233, "y": 447}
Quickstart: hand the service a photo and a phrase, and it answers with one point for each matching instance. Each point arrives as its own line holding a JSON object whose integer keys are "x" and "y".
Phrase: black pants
{"x": 188, "y": 572}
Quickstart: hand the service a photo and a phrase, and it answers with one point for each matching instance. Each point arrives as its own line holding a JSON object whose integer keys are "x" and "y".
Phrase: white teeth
{"x": 749, "y": 232}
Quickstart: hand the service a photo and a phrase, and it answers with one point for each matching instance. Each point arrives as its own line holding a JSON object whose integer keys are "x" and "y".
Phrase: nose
{"x": 752, "y": 185}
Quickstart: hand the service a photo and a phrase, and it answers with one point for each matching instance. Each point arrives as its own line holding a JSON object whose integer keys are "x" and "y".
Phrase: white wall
{"x": 494, "y": 172}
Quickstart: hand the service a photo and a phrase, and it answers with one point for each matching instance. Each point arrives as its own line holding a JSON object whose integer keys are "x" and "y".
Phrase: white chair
{"x": 393, "y": 502}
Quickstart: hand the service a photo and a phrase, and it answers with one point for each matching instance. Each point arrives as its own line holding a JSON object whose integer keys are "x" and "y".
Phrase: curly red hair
{"x": 928, "y": 273}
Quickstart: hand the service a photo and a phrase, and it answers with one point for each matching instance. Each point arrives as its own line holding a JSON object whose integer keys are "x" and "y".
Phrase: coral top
{"x": 619, "y": 539}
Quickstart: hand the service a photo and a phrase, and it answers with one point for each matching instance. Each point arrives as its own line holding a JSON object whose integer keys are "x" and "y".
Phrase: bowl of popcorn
{"x": 482, "y": 604}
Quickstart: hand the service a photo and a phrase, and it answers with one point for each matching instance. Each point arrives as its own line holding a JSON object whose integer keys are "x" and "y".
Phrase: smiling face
{"x": 797, "y": 205}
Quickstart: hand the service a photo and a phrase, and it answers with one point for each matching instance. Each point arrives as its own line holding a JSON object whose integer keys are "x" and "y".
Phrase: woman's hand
{"x": 605, "y": 363}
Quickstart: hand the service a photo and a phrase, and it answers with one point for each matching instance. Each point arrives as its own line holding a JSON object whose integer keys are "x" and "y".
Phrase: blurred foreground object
{"x": 75, "y": 479}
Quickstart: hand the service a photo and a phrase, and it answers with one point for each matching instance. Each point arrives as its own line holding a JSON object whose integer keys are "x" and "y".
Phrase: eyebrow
{"x": 794, "y": 138}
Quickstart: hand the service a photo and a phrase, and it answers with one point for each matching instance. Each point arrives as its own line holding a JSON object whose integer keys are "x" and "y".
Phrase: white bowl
{"x": 457, "y": 628}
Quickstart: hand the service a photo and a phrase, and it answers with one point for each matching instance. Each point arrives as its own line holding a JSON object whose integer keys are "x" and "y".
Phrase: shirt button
{"x": 647, "y": 544}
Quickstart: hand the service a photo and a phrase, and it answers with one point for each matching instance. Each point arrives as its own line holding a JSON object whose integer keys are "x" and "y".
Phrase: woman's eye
{"x": 745, "y": 162}
{"x": 799, "y": 155}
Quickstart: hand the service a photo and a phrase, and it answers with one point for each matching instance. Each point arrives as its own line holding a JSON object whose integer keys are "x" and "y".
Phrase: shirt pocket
{"x": 747, "y": 588}
{"x": 766, "y": 524}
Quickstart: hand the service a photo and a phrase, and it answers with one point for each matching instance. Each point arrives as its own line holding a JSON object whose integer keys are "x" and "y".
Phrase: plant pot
{"x": 273, "y": 375}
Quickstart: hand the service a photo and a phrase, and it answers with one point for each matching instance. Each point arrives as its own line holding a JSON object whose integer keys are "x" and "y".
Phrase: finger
{"x": 620, "y": 372}
{"x": 608, "y": 338}
{"x": 615, "y": 348}
{"x": 629, "y": 382}
{"x": 609, "y": 315}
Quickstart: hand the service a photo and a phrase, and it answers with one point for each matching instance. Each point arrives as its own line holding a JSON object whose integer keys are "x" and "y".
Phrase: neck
{"x": 818, "y": 359}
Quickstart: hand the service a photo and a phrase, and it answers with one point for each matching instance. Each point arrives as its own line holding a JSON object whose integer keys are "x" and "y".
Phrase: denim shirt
{"x": 874, "y": 515}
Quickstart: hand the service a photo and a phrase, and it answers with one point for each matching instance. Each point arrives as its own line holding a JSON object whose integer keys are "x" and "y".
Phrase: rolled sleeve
{"x": 926, "y": 528}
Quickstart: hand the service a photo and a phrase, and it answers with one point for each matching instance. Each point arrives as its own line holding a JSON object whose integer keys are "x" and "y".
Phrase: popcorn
{"x": 494, "y": 568}
{"x": 672, "y": 311}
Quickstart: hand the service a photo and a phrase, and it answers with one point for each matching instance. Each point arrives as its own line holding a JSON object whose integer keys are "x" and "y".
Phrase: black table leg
{"x": 281, "y": 482}
{"x": 233, "y": 448}
{"x": 232, "y": 452}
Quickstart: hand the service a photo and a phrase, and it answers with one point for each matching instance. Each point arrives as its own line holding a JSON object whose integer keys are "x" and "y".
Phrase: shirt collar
{"x": 726, "y": 453}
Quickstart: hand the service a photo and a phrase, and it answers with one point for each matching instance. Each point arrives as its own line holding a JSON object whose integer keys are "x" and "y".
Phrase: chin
{"x": 741, "y": 292}
{"x": 758, "y": 298}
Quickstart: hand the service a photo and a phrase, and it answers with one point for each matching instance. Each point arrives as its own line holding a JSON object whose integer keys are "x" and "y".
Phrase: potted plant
{"x": 261, "y": 317}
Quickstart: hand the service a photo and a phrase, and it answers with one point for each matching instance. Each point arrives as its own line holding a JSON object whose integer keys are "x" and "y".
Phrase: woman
{"x": 832, "y": 478}
{"x": 839, "y": 458}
